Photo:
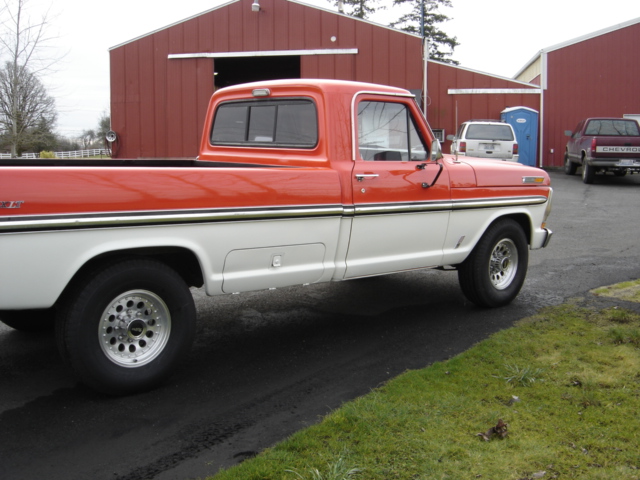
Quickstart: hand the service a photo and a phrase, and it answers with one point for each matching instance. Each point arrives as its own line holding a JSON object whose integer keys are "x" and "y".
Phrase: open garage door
{"x": 235, "y": 70}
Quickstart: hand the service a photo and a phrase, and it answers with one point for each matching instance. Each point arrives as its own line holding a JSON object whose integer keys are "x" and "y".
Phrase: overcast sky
{"x": 495, "y": 36}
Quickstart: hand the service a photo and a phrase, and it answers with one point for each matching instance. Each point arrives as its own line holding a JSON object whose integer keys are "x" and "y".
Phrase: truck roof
{"x": 320, "y": 84}
{"x": 610, "y": 118}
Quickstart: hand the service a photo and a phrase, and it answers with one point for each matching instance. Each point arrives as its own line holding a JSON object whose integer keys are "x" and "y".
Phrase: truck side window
{"x": 283, "y": 122}
{"x": 386, "y": 131}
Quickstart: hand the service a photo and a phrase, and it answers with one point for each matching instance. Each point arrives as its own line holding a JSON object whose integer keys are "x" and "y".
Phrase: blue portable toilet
{"x": 524, "y": 121}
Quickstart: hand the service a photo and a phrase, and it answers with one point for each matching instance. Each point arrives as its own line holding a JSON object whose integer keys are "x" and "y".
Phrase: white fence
{"x": 96, "y": 152}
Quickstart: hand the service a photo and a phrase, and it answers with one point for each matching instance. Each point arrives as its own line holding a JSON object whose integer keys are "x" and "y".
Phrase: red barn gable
{"x": 161, "y": 82}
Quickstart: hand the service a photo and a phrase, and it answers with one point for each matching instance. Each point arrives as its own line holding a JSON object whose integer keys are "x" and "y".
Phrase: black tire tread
{"x": 473, "y": 272}
{"x": 70, "y": 331}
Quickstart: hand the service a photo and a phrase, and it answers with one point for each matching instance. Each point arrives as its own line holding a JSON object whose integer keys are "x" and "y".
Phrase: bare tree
{"x": 24, "y": 102}
{"x": 27, "y": 112}
{"x": 87, "y": 138}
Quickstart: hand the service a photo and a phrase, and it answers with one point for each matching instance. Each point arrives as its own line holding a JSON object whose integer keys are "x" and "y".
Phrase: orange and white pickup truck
{"x": 297, "y": 182}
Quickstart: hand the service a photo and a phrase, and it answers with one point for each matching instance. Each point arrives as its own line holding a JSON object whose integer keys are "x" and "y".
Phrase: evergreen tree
{"x": 41, "y": 136}
{"x": 438, "y": 40}
{"x": 441, "y": 46}
{"x": 357, "y": 8}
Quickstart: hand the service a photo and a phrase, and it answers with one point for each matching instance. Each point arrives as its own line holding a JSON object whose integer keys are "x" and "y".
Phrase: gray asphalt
{"x": 268, "y": 364}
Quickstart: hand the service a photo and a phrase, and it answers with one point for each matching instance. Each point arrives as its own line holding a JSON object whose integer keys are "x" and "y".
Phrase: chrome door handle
{"x": 362, "y": 176}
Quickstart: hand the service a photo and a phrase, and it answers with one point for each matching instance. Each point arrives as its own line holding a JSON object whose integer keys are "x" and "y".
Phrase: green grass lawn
{"x": 566, "y": 383}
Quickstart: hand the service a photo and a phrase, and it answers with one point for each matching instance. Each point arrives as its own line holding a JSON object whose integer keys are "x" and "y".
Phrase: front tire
{"x": 125, "y": 326}
{"x": 569, "y": 167}
{"x": 494, "y": 272}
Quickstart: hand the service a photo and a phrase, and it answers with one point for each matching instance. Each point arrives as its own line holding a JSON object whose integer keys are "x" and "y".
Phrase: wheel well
{"x": 182, "y": 260}
{"x": 523, "y": 220}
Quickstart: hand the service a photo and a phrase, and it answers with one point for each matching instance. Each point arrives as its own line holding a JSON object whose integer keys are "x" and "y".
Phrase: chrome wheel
{"x": 494, "y": 272}
{"x": 503, "y": 264}
{"x": 134, "y": 329}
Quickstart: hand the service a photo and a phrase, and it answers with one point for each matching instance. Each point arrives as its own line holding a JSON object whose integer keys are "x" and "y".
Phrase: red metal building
{"x": 161, "y": 82}
{"x": 594, "y": 75}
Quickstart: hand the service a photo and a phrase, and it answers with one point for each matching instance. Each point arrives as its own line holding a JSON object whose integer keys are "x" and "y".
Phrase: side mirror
{"x": 568, "y": 133}
{"x": 451, "y": 138}
{"x": 436, "y": 150}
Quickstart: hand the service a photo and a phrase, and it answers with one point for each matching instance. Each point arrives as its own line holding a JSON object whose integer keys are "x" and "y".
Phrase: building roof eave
{"x": 290, "y": 1}
{"x": 485, "y": 73}
{"x": 174, "y": 24}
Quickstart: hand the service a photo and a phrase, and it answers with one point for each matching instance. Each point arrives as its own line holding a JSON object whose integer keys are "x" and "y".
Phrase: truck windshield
{"x": 614, "y": 127}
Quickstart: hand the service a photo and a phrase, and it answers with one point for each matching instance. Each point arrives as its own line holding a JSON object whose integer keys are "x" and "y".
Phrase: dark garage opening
{"x": 231, "y": 71}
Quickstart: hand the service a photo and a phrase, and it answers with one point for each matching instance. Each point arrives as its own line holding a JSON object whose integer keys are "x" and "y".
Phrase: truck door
{"x": 400, "y": 215}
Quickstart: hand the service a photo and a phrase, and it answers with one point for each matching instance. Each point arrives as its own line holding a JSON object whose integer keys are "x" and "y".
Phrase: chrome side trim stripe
{"x": 374, "y": 209}
{"x": 499, "y": 202}
{"x": 385, "y": 208}
{"x": 175, "y": 217}
{"x": 126, "y": 219}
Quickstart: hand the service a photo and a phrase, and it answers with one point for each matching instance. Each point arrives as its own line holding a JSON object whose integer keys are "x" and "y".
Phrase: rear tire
{"x": 588, "y": 173}
{"x": 124, "y": 327}
{"x": 494, "y": 272}
{"x": 30, "y": 321}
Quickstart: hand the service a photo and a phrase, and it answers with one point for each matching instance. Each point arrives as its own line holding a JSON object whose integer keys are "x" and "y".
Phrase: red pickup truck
{"x": 603, "y": 145}
{"x": 297, "y": 182}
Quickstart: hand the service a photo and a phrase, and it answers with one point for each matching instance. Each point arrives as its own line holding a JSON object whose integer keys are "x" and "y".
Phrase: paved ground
{"x": 268, "y": 364}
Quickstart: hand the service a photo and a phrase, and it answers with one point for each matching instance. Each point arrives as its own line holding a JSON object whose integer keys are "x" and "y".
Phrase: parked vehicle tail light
{"x": 593, "y": 144}
{"x": 462, "y": 148}
{"x": 515, "y": 148}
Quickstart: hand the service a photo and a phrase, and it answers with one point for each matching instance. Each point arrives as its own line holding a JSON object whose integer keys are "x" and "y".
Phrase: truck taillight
{"x": 515, "y": 148}
{"x": 593, "y": 144}
{"x": 462, "y": 147}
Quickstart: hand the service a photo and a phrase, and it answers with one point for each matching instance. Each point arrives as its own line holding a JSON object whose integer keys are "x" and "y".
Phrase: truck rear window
{"x": 624, "y": 128}
{"x": 278, "y": 123}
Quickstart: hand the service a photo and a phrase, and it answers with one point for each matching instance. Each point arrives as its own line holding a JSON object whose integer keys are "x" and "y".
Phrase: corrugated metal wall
{"x": 596, "y": 77}
{"x": 158, "y": 104}
{"x": 447, "y": 110}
